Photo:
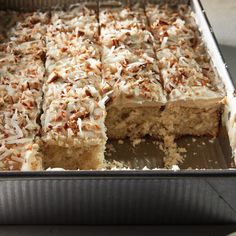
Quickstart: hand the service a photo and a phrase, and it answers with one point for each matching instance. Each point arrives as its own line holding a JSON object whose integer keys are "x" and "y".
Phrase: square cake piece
{"x": 21, "y": 75}
{"x": 73, "y": 131}
{"x": 18, "y": 149}
{"x": 131, "y": 74}
{"x": 194, "y": 92}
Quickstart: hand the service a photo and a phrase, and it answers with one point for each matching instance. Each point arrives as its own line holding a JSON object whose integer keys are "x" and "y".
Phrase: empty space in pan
{"x": 201, "y": 153}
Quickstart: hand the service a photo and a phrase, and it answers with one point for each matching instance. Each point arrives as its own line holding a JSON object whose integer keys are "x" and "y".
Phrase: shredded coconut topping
{"x": 185, "y": 68}
{"x": 21, "y": 75}
{"x": 128, "y": 58}
{"x": 74, "y": 110}
{"x": 149, "y": 56}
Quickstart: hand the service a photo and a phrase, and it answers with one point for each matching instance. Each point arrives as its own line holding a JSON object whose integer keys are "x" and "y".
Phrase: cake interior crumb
{"x": 120, "y": 141}
{"x": 137, "y": 141}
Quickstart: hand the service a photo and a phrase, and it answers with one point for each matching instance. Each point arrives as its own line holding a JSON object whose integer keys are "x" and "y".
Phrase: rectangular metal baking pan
{"x": 203, "y": 194}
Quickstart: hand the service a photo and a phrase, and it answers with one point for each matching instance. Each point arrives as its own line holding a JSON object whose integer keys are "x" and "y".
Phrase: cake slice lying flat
{"x": 130, "y": 72}
{"x": 73, "y": 128}
{"x": 194, "y": 92}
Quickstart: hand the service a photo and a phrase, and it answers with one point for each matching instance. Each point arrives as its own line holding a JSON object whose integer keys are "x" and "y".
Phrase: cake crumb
{"x": 194, "y": 153}
{"x": 194, "y": 140}
{"x": 110, "y": 149}
{"x": 182, "y": 150}
{"x": 145, "y": 168}
{"x": 211, "y": 140}
{"x": 155, "y": 142}
{"x": 203, "y": 143}
{"x": 55, "y": 169}
{"x": 161, "y": 146}
{"x": 172, "y": 152}
{"x": 136, "y": 141}
{"x": 175, "y": 168}
{"x": 120, "y": 141}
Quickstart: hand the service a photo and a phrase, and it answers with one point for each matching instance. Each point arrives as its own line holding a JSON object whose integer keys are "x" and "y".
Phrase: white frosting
{"x": 133, "y": 67}
{"x": 74, "y": 110}
{"x": 21, "y": 75}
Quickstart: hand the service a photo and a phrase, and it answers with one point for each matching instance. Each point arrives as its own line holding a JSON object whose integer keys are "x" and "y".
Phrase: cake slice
{"x": 73, "y": 57}
{"x": 18, "y": 149}
{"x": 72, "y": 60}
{"x": 73, "y": 130}
{"x": 131, "y": 74}
{"x": 194, "y": 92}
{"x": 22, "y": 76}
